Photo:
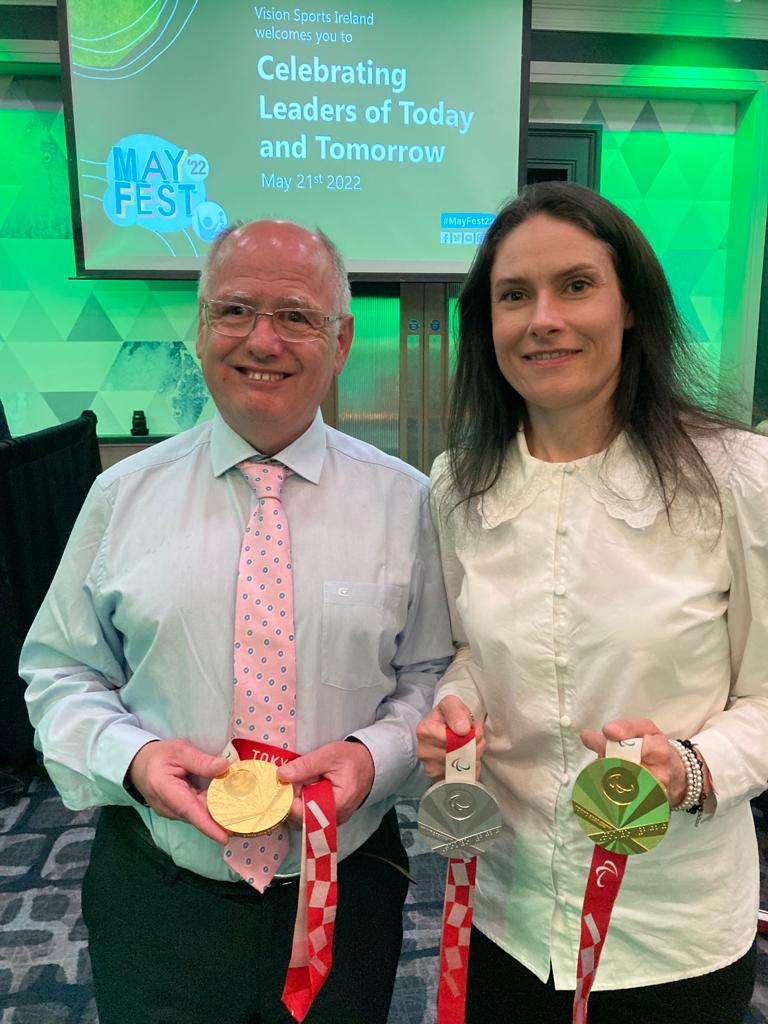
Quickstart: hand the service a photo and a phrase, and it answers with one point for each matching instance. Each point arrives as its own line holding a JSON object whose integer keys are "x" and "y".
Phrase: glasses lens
{"x": 238, "y": 320}
{"x": 232, "y": 318}
{"x": 297, "y": 323}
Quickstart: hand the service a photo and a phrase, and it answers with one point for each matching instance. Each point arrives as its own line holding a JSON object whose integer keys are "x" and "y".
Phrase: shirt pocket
{"x": 359, "y": 633}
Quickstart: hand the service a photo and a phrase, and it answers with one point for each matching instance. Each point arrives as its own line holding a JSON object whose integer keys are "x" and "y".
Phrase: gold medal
{"x": 249, "y": 799}
{"x": 621, "y": 806}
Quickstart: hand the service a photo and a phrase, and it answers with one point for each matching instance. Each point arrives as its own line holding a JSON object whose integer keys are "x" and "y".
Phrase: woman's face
{"x": 558, "y": 316}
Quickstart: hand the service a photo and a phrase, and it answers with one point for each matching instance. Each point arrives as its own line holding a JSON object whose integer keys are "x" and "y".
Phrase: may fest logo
{"x": 154, "y": 184}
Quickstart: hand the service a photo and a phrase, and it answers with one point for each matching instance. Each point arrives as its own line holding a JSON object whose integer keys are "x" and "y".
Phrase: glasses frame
{"x": 277, "y": 327}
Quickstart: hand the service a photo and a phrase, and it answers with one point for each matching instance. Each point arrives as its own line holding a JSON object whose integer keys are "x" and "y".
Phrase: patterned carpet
{"x": 44, "y": 970}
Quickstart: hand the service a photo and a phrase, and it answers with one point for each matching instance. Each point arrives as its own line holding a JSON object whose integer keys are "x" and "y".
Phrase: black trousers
{"x": 170, "y": 947}
{"x": 501, "y": 991}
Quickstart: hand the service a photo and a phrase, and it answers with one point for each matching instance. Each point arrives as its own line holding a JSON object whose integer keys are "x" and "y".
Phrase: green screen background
{"x": 116, "y": 346}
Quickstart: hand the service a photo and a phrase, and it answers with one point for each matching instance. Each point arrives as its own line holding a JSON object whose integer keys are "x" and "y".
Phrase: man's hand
{"x": 658, "y": 756}
{"x": 347, "y": 765}
{"x": 160, "y": 771}
{"x": 430, "y": 732}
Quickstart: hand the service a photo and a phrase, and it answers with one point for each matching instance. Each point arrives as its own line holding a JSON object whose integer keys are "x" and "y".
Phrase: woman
{"x": 604, "y": 542}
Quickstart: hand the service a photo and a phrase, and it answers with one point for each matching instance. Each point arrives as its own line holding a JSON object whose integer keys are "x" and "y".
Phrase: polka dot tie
{"x": 264, "y": 706}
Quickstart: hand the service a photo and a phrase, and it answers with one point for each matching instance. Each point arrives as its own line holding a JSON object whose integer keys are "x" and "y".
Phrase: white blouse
{"x": 574, "y": 603}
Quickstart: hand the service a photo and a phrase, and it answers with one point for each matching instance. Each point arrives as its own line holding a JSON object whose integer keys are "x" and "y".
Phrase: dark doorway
{"x": 564, "y": 152}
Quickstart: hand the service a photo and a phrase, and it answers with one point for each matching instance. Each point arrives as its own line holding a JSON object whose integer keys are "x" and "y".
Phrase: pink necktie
{"x": 264, "y": 707}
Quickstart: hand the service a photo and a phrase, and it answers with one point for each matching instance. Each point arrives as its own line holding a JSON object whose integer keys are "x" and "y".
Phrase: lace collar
{"x": 616, "y": 479}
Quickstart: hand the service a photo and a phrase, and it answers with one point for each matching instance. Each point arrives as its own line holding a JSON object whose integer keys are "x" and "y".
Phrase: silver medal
{"x": 459, "y": 818}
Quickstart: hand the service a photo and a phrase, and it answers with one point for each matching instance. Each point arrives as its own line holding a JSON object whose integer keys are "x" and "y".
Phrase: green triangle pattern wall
{"x": 116, "y": 346}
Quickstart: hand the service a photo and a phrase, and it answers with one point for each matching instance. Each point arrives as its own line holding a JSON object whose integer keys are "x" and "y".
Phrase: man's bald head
{"x": 230, "y": 234}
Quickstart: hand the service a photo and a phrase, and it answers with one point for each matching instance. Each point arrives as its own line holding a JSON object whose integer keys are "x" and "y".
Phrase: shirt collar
{"x": 304, "y": 456}
{"x": 615, "y": 477}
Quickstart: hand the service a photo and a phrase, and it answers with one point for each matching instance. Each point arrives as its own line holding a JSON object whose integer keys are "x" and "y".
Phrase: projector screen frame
{"x": 359, "y": 277}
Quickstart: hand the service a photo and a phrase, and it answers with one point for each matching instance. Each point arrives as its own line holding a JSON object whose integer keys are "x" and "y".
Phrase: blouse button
{"x": 565, "y": 721}
{"x": 562, "y": 900}
{"x": 568, "y": 468}
{"x": 559, "y": 591}
{"x": 559, "y": 841}
{"x": 562, "y": 528}
{"x": 565, "y": 778}
{"x": 561, "y": 661}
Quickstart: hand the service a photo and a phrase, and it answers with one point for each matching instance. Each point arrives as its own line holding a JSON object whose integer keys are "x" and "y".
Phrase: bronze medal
{"x": 249, "y": 799}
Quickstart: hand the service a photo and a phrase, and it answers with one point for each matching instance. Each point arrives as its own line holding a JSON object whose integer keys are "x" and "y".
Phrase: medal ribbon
{"x": 312, "y": 947}
{"x": 606, "y": 873}
{"x": 605, "y": 876}
{"x": 459, "y": 886}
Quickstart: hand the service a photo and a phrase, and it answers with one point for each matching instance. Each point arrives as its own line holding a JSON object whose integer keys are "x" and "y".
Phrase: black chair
{"x": 44, "y": 478}
{"x": 5, "y": 431}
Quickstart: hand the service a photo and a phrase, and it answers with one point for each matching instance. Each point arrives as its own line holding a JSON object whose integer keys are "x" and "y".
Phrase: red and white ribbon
{"x": 312, "y": 947}
{"x": 606, "y": 873}
{"x": 311, "y": 953}
{"x": 460, "y": 756}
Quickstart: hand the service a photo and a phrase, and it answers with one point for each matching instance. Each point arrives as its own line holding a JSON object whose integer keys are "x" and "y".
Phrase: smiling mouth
{"x": 542, "y": 357}
{"x": 264, "y": 375}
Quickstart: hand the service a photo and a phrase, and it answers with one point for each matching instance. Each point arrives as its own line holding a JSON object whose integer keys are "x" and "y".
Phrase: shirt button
{"x": 559, "y": 591}
{"x": 561, "y": 661}
{"x": 565, "y": 778}
{"x": 562, "y": 900}
{"x": 562, "y": 528}
{"x": 568, "y": 468}
{"x": 565, "y": 721}
{"x": 559, "y": 841}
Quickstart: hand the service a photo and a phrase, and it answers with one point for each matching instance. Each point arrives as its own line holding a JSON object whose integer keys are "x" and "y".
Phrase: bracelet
{"x": 694, "y": 778}
{"x": 693, "y": 801}
{"x": 692, "y": 748}
{"x": 698, "y": 809}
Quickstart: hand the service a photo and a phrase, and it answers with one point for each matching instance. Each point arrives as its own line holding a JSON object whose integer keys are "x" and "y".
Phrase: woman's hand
{"x": 453, "y": 713}
{"x": 658, "y": 755}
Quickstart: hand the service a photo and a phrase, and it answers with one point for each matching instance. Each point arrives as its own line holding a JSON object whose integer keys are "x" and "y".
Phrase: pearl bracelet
{"x": 694, "y": 792}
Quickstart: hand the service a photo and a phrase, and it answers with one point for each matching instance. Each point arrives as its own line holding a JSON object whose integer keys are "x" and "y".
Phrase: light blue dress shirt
{"x": 134, "y": 640}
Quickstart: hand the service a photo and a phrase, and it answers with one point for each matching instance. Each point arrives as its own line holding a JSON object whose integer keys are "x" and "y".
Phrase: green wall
{"x": 668, "y": 164}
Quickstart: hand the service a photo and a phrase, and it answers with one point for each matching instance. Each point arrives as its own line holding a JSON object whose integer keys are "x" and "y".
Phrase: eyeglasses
{"x": 237, "y": 320}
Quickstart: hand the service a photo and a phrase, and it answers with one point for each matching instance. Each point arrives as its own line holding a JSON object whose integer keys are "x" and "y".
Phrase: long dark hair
{"x": 662, "y": 398}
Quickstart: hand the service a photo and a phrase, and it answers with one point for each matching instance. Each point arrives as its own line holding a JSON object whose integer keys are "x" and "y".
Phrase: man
{"x": 130, "y": 661}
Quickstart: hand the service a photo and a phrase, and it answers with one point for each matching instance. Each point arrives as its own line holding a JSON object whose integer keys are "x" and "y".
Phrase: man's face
{"x": 268, "y": 390}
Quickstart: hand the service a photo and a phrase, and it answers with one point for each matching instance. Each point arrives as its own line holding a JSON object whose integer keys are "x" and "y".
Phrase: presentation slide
{"x": 393, "y": 126}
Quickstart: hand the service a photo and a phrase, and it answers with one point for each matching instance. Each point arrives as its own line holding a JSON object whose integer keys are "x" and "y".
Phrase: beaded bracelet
{"x": 693, "y": 801}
